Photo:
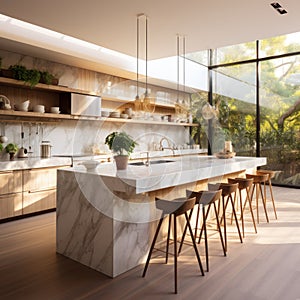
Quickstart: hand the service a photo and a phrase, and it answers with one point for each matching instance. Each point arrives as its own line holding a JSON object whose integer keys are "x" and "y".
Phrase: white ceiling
{"x": 112, "y": 24}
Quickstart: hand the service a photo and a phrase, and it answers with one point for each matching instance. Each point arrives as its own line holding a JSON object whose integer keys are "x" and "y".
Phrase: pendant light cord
{"x": 146, "y": 92}
{"x": 137, "y": 55}
{"x": 177, "y": 68}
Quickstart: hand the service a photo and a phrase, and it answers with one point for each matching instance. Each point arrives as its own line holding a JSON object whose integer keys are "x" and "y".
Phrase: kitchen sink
{"x": 152, "y": 162}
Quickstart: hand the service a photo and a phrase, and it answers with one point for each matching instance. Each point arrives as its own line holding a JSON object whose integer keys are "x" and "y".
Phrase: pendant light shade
{"x": 148, "y": 101}
{"x": 137, "y": 101}
{"x": 181, "y": 106}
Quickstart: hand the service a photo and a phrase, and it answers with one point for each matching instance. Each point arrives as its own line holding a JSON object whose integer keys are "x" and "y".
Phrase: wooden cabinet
{"x": 10, "y": 194}
{"x": 39, "y": 189}
{"x": 27, "y": 191}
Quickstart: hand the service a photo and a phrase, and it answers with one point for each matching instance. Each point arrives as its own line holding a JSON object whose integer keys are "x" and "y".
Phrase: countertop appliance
{"x": 80, "y": 104}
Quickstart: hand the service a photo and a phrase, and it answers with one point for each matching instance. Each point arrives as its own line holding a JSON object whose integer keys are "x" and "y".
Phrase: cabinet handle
{"x": 42, "y": 190}
{"x": 9, "y": 194}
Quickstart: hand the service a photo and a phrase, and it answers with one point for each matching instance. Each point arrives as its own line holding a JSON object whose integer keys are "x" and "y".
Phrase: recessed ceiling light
{"x": 278, "y": 8}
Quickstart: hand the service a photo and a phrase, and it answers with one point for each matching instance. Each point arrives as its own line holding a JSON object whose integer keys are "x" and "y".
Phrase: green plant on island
{"x": 1, "y": 147}
{"x": 11, "y": 148}
{"x": 120, "y": 143}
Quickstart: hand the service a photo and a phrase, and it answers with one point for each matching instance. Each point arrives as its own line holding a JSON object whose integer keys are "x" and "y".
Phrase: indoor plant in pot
{"x": 122, "y": 145}
{"x": 12, "y": 150}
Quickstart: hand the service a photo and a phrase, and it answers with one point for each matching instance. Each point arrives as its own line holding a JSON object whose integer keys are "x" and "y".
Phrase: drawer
{"x": 10, "y": 205}
{"x": 39, "y": 179}
{"x": 38, "y": 201}
{"x": 10, "y": 182}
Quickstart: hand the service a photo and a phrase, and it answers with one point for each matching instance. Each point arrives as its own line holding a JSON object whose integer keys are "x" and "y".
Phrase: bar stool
{"x": 271, "y": 175}
{"x": 175, "y": 208}
{"x": 227, "y": 190}
{"x": 204, "y": 199}
{"x": 258, "y": 180}
{"x": 244, "y": 184}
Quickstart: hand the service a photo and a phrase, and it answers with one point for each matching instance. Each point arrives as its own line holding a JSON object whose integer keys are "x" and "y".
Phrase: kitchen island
{"x": 106, "y": 218}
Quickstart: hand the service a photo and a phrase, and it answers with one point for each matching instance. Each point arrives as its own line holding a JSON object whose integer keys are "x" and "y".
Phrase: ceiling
{"x": 112, "y": 24}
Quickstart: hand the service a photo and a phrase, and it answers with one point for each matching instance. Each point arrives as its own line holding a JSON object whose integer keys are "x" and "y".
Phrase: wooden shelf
{"x": 42, "y": 86}
{"x": 20, "y": 116}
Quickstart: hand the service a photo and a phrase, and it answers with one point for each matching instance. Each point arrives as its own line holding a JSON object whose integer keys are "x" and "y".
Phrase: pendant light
{"x": 138, "y": 100}
{"x": 181, "y": 108}
{"x": 148, "y": 101}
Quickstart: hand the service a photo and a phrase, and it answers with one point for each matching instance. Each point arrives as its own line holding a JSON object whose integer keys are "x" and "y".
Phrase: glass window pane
{"x": 280, "y": 45}
{"x": 234, "y": 53}
{"x": 280, "y": 118}
{"x": 234, "y": 99}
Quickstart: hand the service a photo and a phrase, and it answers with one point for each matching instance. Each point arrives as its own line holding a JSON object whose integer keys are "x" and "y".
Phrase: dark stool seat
{"x": 258, "y": 180}
{"x": 228, "y": 189}
{"x": 175, "y": 208}
{"x": 271, "y": 174}
{"x": 244, "y": 184}
{"x": 204, "y": 199}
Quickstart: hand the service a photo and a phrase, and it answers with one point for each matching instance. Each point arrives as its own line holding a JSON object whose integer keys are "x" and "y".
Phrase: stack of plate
{"x": 115, "y": 114}
{"x": 104, "y": 113}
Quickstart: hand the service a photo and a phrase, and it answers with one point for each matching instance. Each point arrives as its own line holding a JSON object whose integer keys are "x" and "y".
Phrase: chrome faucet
{"x": 169, "y": 146}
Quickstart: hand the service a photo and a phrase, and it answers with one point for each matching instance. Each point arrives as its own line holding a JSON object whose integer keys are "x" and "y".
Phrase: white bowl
{"x": 54, "y": 110}
{"x": 39, "y": 108}
{"x": 90, "y": 164}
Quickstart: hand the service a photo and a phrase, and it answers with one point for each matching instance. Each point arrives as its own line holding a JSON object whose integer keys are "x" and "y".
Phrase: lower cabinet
{"x": 27, "y": 191}
{"x": 10, "y": 205}
{"x": 10, "y": 194}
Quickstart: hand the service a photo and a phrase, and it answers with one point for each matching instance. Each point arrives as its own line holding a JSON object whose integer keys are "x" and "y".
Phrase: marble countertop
{"x": 33, "y": 162}
{"x": 181, "y": 170}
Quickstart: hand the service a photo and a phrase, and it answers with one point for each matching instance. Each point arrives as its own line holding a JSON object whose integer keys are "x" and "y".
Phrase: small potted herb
{"x": 122, "y": 145}
{"x": 12, "y": 150}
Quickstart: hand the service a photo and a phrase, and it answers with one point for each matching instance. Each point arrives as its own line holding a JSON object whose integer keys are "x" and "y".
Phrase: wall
{"x": 86, "y": 136}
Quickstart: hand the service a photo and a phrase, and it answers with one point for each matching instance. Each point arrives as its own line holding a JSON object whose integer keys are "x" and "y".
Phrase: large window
{"x": 255, "y": 88}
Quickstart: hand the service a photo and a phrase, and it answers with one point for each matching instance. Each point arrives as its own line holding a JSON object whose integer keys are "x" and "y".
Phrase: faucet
{"x": 147, "y": 162}
{"x": 169, "y": 146}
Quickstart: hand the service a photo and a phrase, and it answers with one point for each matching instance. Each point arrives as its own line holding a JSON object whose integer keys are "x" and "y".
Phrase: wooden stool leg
{"x": 205, "y": 238}
{"x": 152, "y": 246}
{"x": 272, "y": 197}
{"x": 242, "y": 215}
{"x": 184, "y": 231}
{"x": 194, "y": 244}
{"x": 168, "y": 239}
{"x": 264, "y": 202}
{"x": 251, "y": 209}
{"x": 235, "y": 217}
{"x": 224, "y": 220}
{"x": 219, "y": 229}
{"x": 175, "y": 254}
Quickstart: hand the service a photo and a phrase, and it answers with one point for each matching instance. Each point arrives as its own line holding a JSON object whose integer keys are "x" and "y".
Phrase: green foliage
{"x": 22, "y": 73}
{"x": 120, "y": 143}
{"x": 11, "y": 148}
{"x": 1, "y": 147}
{"x": 46, "y": 77}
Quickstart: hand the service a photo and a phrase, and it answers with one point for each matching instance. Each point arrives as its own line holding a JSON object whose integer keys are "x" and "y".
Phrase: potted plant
{"x": 48, "y": 78}
{"x": 122, "y": 145}
{"x": 32, "y": 76}
{"x": 12, "y": 150}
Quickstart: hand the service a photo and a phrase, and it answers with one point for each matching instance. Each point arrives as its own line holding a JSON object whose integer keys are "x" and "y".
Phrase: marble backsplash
{"x": 75, "y": 137}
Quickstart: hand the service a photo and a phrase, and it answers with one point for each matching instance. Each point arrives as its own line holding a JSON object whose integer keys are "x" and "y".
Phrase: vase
{"x": 121, "y": 162}
{"x": 11, "y": 155}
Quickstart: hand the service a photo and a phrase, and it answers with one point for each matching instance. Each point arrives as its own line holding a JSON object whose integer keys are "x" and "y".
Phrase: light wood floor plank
{"x": 265, "y": 266}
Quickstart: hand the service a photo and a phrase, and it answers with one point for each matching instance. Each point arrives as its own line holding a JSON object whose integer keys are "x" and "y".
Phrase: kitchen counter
{"x": 106, "y": 218}
{"x": 33, "y": 162}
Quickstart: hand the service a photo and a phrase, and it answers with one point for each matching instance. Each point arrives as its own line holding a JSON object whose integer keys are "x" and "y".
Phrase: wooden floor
{"x": 265, "y": 266}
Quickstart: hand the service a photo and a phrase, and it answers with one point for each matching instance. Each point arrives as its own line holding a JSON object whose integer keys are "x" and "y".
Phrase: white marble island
{"x": 106, "y": 219}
